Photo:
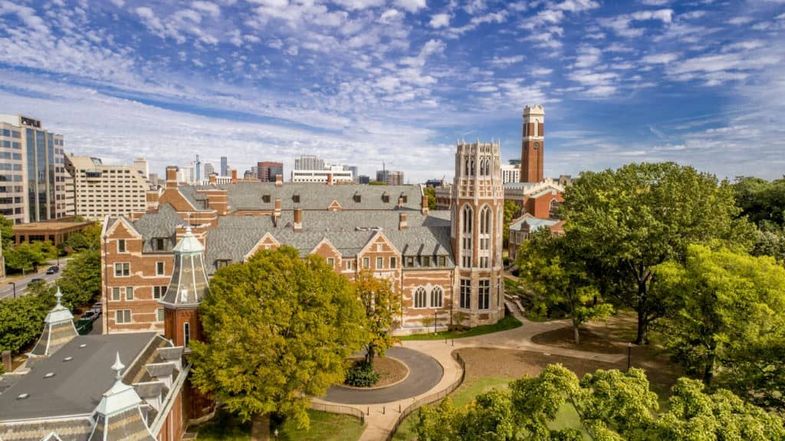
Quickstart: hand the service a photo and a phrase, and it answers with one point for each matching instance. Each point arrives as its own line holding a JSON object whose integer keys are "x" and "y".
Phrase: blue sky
{"x": 399, "y": 81}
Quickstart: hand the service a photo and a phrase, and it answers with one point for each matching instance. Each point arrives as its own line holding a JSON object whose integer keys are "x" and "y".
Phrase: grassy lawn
{"x": 508, "y": 322}
{"x": 324, "y": 427}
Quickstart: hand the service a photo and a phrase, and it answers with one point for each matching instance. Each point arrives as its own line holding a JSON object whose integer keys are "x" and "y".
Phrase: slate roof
{"x": 249, "y": 195}
{"x": 77, "y": 385}
{"x": 162, "y": 223}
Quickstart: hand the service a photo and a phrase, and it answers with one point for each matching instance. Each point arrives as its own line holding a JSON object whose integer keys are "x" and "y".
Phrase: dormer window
{"x": 266, "y": 198}
{"x": 220, "y": 263}
{"x": 404, "y": 198}
{"x": 158, "y": 243}
{"x": 296, "y": 198}
{"x": 385, "y": 197}
{"x": 357, "y": 197}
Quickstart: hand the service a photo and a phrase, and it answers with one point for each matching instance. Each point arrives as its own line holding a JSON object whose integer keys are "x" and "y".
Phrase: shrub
{"x": 361, "y": 374}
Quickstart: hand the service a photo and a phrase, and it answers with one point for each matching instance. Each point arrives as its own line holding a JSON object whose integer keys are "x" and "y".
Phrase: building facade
{"x": 32, "y": 171}
{"x": 101, "y": 190}
{"x": 511, "y": 173}
{"x": 390, "y": 177}
{"x": 333, "y": 175}
{"x": 308, "y": 162}
{"x": 533, "y": 144}
{"x": 268, "y": 170}
{"x": 224, "y": 166}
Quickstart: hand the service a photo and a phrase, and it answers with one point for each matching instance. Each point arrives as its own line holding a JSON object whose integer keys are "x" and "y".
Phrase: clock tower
{"x": 533, "y": 145}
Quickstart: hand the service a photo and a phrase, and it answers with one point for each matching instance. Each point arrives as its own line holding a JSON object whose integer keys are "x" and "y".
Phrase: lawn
{"x": 508, "y": 322}
{"x": 324, "y": 427}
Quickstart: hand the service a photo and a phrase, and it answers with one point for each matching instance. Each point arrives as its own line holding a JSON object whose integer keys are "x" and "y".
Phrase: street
{"x": 7, "y": 289}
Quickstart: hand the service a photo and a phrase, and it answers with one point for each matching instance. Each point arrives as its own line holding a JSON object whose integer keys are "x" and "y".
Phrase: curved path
{"x": 424, "y": 373}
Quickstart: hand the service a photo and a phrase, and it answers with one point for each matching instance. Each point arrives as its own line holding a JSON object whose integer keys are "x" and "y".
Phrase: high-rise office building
{"x": 142, "y": 165}
{"x": 100, "y": 189}
{"x": 32, "y": 171}
{"x": 390, "y": 177}
{"x": 197, "y": 169}
{"x": 355, "y": 172}
{"x": 224, "y": 166}
{"x": 208, "y": 170}
{"x": 511, "y": 173}
{"x": 308, "y": 162}
{"x": 267, "y": 170}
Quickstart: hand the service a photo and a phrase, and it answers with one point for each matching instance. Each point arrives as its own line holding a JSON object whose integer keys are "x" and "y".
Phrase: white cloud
{"x": 655, "y": 2}
{"x": 622, "y": 24}
{"x": 412, "y": 5}
{"x": 440, "y": 21}
{"x": 506, "y": 61}
{"x": 661, "y": 58}
{"x": 207, "y": 7}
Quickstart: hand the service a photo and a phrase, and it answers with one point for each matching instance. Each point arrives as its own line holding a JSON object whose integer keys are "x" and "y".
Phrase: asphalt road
{"x": 7, "y": 290}
{"x": 425, "y": 373}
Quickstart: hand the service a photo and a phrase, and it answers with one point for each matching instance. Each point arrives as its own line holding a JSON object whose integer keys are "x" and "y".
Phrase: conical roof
{"x": 188, "y": 285}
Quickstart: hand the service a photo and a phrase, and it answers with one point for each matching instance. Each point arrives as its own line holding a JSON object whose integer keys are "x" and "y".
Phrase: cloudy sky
{"x": 399, "y": 81}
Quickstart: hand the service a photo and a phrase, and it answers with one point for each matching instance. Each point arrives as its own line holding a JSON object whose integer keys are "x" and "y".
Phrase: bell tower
{"x": 477, "y": 216}
{"x": 533, "y": 144}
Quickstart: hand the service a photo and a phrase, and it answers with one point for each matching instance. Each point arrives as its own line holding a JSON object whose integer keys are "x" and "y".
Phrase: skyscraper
{"x": 32, "y": 171}
{"x": 198, "y": 169}
{"x": 267, "y": 170}
{"x": 208, "y": 169}
{"x": 308, "y": 162}
{"x": 224, "y": 166}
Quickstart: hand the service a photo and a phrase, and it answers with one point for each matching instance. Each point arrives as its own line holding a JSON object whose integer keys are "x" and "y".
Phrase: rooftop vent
{"x": 296, "y": 198}
{"x": 266, "y": 198}
{"x": 49, "y": 375}
{"x": 83, "y": 345}
{"x": 22, "y": 396}
{"x": 69, "y": 358}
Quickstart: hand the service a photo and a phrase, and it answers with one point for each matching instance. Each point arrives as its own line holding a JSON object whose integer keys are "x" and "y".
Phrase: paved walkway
{"x": 381, "y": 417}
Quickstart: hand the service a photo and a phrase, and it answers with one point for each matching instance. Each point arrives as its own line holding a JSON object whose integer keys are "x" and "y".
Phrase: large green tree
{"x": 628, "y": 221}
{"x": 279, "y": 329}
{"x": 763, "y": 202}
{"x": 6, "y": 232}
{"x": 22, "y": 318}
{"x": 81, "y": 279}
{"x": 555, "y": 276}
{"x": 29, "y": 256}
{"x": 511, "y": 211}
{"x": 87, "y": 239}
{"x": 724, "y": 304}
{"x": 610, "y": 406}
{"x": 382, "y": 306}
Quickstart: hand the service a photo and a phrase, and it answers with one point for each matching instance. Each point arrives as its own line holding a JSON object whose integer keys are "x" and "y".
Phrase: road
{"x": 7, "y": 290}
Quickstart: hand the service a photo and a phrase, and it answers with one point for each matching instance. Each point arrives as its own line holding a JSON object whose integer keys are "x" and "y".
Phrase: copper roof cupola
{"x": 189, "y": 278}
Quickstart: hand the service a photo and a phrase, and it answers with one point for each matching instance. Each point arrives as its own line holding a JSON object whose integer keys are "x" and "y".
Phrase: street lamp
{"x": 14, "y": 285}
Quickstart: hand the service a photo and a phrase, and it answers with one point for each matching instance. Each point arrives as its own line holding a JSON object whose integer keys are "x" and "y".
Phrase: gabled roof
{"x": 534, "y": 223}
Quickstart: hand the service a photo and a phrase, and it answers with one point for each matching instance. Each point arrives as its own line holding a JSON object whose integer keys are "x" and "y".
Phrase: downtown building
{"x": 101, "y": 190}
{"x": 33, "y": 178}
{"x": 446, "y": 265}
{"x": 266, "y": 171}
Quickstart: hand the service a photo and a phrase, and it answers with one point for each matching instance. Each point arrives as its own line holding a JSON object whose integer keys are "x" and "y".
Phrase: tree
{"x": 81, "y": 279}
{"x": 87, "y": 239}
{"x": 610, "y": 405}
{"x": 382, "y": 306}
{"x": 511, "y": 211}
{"x": 278, "y": 330}
{"x": 430, "y": 193}
{"x": 550, "y": 270}
{"x": 628, "y": 221}
{"x": 22, "y": 318}
{"x": 770, "y": 241}
{"x": 29, "y": 256}
{"x": 6, "y": 233}
{"x": 724, "y": 303}
{"x": 763, "y": 202}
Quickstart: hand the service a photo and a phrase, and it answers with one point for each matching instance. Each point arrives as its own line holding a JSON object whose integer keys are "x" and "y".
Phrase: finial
{"x": 118, "y": 367}
{"x": 58, "y": 296}
{"x": 188, "y": 230}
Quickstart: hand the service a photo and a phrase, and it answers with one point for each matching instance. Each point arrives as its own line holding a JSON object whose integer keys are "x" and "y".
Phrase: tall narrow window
{"x": 484, "y": 295}
{"x": 121, "y": 246}
{"x": 466, "y": 243}
{"x": 466, "y": 294}
{"x": 436, "y": 297}
{"x": 420, "y": 298}
{"x": 186, "y": 333}
{"x": 485, "y": 236}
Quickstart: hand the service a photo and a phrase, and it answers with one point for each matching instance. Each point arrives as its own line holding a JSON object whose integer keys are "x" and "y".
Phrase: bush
{"x": 361, "y": 374}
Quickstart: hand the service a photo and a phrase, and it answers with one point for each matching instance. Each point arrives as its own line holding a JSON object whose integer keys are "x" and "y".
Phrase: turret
{"x": 59, "y": 329}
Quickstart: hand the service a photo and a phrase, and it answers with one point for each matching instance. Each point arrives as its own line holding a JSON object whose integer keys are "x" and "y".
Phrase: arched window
{"x": 436, "y": 297}
{"x": 420, "y": 298}
{"x": 466, "y": 240}
{"x": 471, "y": 167}
{"x": 186, "y": 333}
{"x": 485, "y": 236}
{"x": 467, "y": 219}
{"x": 485, "y": 220}
{"x": 466, "y": 160}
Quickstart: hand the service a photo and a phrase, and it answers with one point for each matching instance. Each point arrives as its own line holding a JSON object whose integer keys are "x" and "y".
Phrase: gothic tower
{"x": 477, "y": 217}
{"x": 533, "y": 144}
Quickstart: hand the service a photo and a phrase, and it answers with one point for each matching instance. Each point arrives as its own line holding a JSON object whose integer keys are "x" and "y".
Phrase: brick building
{"x": 385, "y": 229}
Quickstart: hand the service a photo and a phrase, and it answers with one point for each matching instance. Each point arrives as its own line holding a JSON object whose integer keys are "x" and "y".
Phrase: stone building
{"x": 384, "y": 229}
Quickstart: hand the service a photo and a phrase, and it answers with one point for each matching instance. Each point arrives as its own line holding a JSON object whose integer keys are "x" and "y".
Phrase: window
{"x": 442, "y": 260}
{"x": 159, "y": 291}
{"x": 220, "y": 263}
{"x": 159, "y": 268}
{"x": 158, "y": 243}
{"x": 379, "y": 263}
{"x": 331, "y": 261}
{"x": 466, "y": 293}
{"x": 366, "y": 262}
{"x": 410, "y": 261}
{"x": 484, "y": 297}
{"x": 466, "y": 244}
{"x": 426, "y": 261}
{"x": 122, "y": 316}
{"x": 186, "y": 333}
{"x": 393, "y": 262}
{"x": 122, "y": 269}
{"x": 116, "y": 294}
{"x": 160, "y": 314}
{"x": 121, "y": 246}
{"x": 420, "y": 298}
{"x": 129, "y": 293}
{"x": 436, "y": 297}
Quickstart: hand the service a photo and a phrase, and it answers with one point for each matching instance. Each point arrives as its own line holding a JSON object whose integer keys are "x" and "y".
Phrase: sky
{"x": 398, "y": 82}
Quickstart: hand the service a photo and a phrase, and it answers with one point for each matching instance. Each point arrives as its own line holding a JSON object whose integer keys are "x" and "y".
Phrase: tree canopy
{"x": 278, "y": 330}
{"x": 628, "y": 221}
{"x": 29, "y": 256}
{"x": 610, "y": 405}
{"x": 22, "y": 318}
{"x": 382, "y": 307}
{"x": 81, "y": 279}
{"x": 762, "y": 201}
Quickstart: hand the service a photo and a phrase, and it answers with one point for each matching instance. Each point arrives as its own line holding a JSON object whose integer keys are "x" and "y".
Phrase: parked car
{"x": 97, "y": 308}
{"x": 53, "y": 270}
{"x": 90, "y": 315}
{"x": 36, "y": 280}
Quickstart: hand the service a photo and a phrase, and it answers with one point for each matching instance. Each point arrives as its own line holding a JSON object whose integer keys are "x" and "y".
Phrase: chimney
{"x": 298, "y": 219}
{"x": 171, "y": 176}
{"x": 213, "y": 179}
{"x": 279, "y": 180}
{"x": 424, "y": 204}
{"x": 329, "y": 179}
{"x": 402, "y": 221}
{"x": 234, "y": 176}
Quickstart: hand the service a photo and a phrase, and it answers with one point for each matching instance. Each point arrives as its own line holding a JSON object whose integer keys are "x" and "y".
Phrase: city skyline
{"x": 400, "y": 81}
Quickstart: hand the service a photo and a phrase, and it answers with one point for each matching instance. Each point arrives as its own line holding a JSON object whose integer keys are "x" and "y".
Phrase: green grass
{"x": 508, "y": 322}
{"x": 324, "y": 427}
{"x": 565, "y": 418}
